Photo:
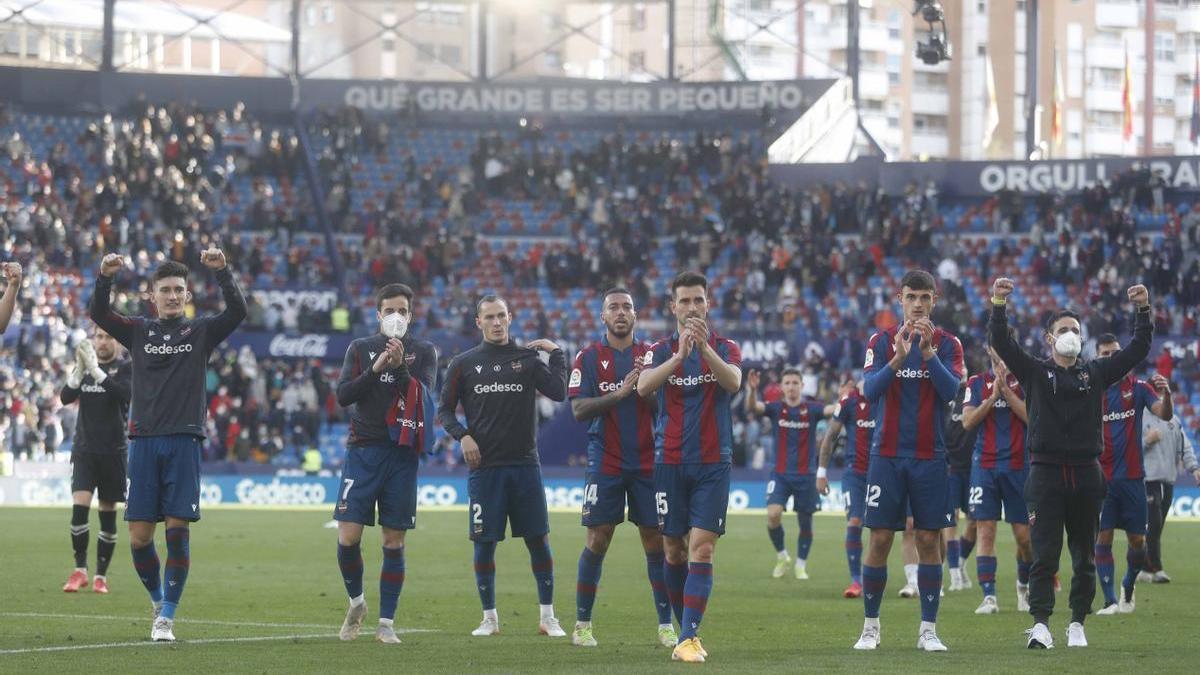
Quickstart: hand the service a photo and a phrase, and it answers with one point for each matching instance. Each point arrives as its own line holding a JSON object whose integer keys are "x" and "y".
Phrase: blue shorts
{"x": 854, "y": 490}
{"x": 605, "y": 497}
{"x": 781, "y": 487}
{"x": 383, "y": 475}
{"x": 164, "y": 478}
{"x": 503, "y": 495}
{"x": 896, "y": 485}
{"x": 1125, "y": 506}
{"x": 993, "y": 488}
{"x": 958, "y": 484}
{"x": 691, "y": 495}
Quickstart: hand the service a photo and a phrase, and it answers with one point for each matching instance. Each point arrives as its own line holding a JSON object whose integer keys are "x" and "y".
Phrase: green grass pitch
{"x": 265, "y": 595}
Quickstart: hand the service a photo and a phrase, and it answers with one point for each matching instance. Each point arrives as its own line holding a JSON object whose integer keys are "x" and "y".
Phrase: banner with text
{"x": 431, "y": 491}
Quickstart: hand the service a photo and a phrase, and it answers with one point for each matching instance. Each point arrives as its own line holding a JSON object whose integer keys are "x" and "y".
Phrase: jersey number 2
{"x": 477, "y": 514}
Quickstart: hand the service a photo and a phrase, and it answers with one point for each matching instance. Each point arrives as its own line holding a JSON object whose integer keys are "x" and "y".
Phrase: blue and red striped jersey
{"x": 795, "y": 436}
{"x": 695, "y": 424}
{"x": 1000, "y": 443}
{"x": 856, "y": 415}
{"x": 910, "y": 402}
{"x": 621, "y": 439}
{"x": 1123, "y": 406}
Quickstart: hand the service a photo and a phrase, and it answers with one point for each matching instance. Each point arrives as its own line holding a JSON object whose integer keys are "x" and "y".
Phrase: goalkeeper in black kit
{"x": 101, "y": 381}
{"x": 497, "y": 383}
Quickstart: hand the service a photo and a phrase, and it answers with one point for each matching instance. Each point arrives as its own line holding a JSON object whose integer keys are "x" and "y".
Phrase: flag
{"x": 1196, "y": 101}
{"x": 992, "y": 120}
{"x": 1056, "y": 124}
{"x": 1127, "y": 100}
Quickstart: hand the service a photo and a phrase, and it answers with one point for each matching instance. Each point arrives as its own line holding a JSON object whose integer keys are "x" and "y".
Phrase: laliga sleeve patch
{"x": 870, "y": 358}
{"x": 576, "y": 378}
{"x": 967, "y": 396}
{"x": 648, "y": 359}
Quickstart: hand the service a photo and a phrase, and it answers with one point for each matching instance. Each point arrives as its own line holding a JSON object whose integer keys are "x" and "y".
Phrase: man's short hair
{"x": 687, "y": 279}
{"x": 490, "y": 297}
{"x": 791, "y": 371}
{"x": 1060, "y": 314}
{"x": 616, "y": 290}
{"x": 918, "y": 280}
{"x": 391, "y": 291}
{"x": 1106, "y": 339}
{"x": 169, "y": 269}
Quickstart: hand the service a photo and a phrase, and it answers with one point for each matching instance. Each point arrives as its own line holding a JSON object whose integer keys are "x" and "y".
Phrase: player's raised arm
{"x": 753, "y": 405}
{"x": 8, "y": 302}
{"x": 1116, "y": 366}
{"x": 100, "y": 309}
{"x": 1020, "y": 362}
{"x": 223, "y": 324}
{"x": 976, "y": 407}
{"x": 550, "y": 379}
{"x": 832, "y": 431}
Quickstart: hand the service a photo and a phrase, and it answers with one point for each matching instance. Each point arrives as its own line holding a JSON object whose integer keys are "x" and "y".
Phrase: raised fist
{"x": 12, "y": 272}
{"x": 1002, "y": 287}
{"x": 111, "y": 264}
{"x": 213, "y": 259}
{"x": 1139, "y": 296}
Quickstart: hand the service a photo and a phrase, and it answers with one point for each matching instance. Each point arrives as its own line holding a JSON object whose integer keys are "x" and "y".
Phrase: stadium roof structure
{"x": 169, "y": 20}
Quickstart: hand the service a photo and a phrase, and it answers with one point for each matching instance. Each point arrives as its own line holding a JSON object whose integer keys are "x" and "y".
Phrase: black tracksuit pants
{"x": 1159, "y": 497}
{"x": 1063, "y": 497}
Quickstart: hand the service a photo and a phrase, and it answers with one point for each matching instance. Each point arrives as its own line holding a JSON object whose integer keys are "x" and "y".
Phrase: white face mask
{"x": 394, "y": 325}
{"x": 1068, "y": 344}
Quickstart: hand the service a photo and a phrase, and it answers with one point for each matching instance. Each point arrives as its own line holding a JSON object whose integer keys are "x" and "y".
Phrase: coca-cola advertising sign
{"x": 322, "y": 346}
{"x": 301, "y": 346}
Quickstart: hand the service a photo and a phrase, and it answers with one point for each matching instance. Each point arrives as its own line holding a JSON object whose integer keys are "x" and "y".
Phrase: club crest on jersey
{"x": 410, "y": 359}
{"x": 1127, "y": 394}
{"x": 516, "y": 366}
{"x": 185, "y": 331}
{"x": 478, "y": 369}
{"x": 576, "y": 378}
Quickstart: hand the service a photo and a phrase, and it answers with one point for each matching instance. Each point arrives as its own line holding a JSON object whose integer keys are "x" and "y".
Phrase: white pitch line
{"x": 184, "y": 621}
{"x": 146, "y": 643}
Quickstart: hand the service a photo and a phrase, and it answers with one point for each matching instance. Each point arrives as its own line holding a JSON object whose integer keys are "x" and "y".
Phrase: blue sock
{"x": 485, "y": 573}
{"x": 1106, "y": 569}
{"x": 804, "y": 540}
{"x": 776, "y": 534}
{"x": 985, "y": 571}
{"x": 175, "y": 572}
{"x": 658, "y": 586}
{"x": 351, "y": 564}
{"x": 1023, "y": 572}
{"x": 854, "y": 552}
{"x": 676, "y": 577}
{"x": 965, "y": 546}
{"x": 542, "y": 563}
{"x": 1136, "y": 559}
{"x": 952, "y": 560}
{"x": 589, "y": 579}
{"x": 391, "y": 581}
{"x": 146, "y": 564}
{"x": 696, "y": 590}
{"x": 874, "y": 580}
{"x": 929, "y": 585}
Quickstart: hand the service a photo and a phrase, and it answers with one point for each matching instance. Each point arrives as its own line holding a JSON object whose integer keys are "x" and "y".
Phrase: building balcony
{"x": 931, "y": 102}
{"x": 1117, "y": 15}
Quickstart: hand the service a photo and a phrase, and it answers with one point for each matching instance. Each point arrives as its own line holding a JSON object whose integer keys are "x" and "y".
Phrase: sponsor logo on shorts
{"x": 499, "y": 388}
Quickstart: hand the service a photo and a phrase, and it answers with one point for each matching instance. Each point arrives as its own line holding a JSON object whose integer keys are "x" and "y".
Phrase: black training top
{"x": 371, "y": 394}
{"x": 103, "y": 409}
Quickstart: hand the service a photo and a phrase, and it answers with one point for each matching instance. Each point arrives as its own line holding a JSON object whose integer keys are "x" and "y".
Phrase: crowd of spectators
{"x": 158, "y": 182}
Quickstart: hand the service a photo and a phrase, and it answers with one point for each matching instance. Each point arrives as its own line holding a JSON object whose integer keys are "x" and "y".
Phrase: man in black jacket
{"x": 497, "y": 383}
{"x": 1064, "y": 395}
